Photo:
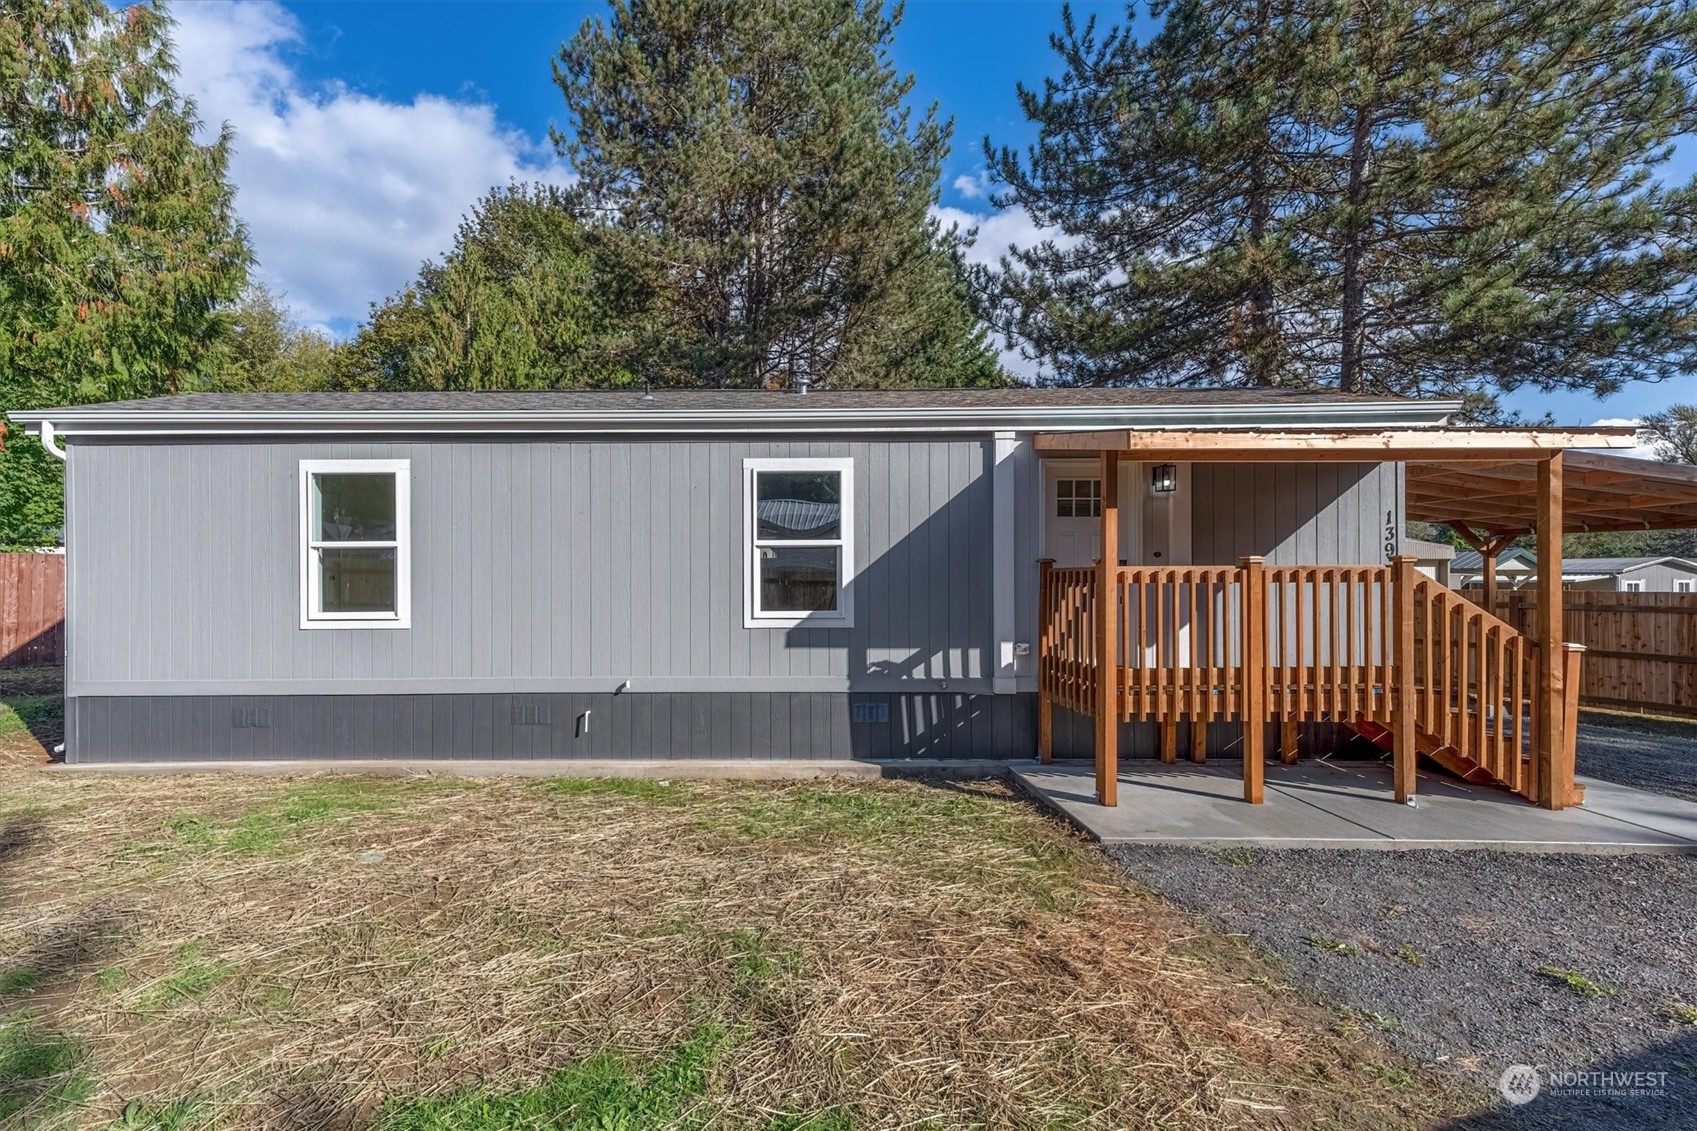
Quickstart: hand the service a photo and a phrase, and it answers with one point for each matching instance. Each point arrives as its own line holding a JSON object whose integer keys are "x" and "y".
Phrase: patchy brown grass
{"x": 325, "y": 951}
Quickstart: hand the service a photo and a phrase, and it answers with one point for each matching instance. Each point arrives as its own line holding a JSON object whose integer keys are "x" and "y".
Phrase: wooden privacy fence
{"x": 1640, "y": 648}
{"x": 1380, "y": 648}
{"x": 32, "y": 609}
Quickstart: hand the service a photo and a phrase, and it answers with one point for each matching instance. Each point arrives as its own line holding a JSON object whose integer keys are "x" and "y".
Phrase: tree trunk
{"x": 1263, "y": 366}
{"x": 1355, "y": 237}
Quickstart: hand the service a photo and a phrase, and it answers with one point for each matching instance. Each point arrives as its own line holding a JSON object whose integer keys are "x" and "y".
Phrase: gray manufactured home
{"x": 614, "y": 574}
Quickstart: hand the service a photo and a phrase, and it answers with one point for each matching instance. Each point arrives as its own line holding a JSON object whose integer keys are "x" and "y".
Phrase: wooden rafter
{"x": 1600, "y": 492}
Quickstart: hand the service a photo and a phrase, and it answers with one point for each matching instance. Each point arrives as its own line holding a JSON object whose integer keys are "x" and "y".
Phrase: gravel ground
{"x": 1663, "y": 761}
{"x": 1445, "y": 951}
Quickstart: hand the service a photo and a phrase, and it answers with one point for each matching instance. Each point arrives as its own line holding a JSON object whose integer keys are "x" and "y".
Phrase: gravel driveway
{"x": 1665, "y": 762}
{"x": 1447, "y": 952}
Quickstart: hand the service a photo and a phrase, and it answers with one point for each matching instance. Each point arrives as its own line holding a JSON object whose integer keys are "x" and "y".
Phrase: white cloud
{"x": 1641, "y": 451}
{"x": 972, "y": 186}
{"x": 344, "y": 193}
{"x": 998, "y": 232}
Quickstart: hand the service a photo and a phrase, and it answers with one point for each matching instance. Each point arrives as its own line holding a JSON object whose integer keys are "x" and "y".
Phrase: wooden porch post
{"x": 1045, "y": 705}
{"x": 1254, "y": 677}
{"x": 1488, "y": 547}
{"x": 1404, "y": 753}
{"x": 1554, "y": 779}
{"x": 1489, "y": 558}
{"x": 1107, "y": 637}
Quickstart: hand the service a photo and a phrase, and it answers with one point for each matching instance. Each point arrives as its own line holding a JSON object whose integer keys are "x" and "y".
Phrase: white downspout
{"x": 53, "y": 449}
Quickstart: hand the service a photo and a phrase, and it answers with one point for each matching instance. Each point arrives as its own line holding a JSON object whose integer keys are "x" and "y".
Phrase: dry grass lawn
{"x": 318, "y": 952}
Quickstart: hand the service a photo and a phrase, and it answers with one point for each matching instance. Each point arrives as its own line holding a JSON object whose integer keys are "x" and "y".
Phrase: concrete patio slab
{"x": 1349, "y": 805}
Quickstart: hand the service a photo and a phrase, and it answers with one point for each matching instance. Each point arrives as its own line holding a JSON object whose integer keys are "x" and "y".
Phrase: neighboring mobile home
{"x": 1517, "y": 567}
{"x": 681, "y": 574}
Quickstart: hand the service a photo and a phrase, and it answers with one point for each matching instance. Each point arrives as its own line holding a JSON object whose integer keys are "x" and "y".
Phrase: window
{"x": 355, "y": 563}
{"x": 1685, "y": 585}
{"x": 1078, "y": 498}
{"x": 1633, "y": 586}
{"x": 799, "y": 516}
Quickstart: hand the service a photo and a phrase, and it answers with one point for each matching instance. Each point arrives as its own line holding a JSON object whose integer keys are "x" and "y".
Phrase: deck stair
{"x": 1365, "y": 646}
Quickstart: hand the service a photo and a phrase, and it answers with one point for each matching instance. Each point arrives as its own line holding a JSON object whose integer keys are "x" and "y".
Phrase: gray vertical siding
{"x": 537, "y": 564}
{"x": 1296, "y": 513}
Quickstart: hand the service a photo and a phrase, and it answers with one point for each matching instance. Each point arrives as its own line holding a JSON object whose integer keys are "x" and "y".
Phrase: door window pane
{"x": 1078, "y": 498}
{"x": 799, "y": 579}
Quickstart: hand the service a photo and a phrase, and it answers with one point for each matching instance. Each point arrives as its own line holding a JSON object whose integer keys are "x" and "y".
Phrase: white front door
{"x": 1072, "y": 513}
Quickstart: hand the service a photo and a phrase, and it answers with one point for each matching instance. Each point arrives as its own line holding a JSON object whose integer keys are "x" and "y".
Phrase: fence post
{"x": 1404, "y": 753}
{"x": 1254, "y": 677}
{"x": 1045, "y": 648}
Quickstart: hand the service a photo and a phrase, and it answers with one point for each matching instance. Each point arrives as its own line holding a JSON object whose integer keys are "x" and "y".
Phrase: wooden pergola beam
{"x": 1600, "y": 491}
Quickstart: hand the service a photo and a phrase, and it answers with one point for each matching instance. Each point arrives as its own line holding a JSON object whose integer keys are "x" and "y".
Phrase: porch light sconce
{"x": 1164, "y": 478}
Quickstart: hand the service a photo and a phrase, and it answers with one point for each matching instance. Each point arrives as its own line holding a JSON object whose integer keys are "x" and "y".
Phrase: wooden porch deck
{"x": 1384, "y": 650}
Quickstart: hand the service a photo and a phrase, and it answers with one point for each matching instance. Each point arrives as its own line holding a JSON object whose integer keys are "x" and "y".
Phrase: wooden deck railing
{"x": 1359, "y": 645}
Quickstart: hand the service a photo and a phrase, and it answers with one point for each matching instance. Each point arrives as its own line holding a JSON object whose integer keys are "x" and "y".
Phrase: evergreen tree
{"x": 1395, "y": 197}
{"x": 118, "y": 240}
{"x": 1672, "y": 433}
{"x": 515, "y": 304}
{"x": 760, "y": 193}
{"x": 271, "y": 352}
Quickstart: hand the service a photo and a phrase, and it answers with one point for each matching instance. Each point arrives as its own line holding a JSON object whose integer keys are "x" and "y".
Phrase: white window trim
{"x": 1632, "y": 585}
{"x": 1685, "y": 585}
{"x": 402, "y": 617}
{"x": 843, "y": 616}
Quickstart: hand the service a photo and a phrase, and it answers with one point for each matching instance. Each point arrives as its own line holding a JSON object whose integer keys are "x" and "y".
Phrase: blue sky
{"x": 364, "y": 130}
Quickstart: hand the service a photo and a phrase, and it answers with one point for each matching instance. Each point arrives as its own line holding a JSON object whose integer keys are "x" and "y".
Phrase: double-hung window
{"x": 355, "y": 543}
{"x": 798, "y": 542}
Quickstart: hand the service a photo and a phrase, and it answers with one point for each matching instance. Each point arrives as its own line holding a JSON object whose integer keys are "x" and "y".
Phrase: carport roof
{"x": 1599, "y": 492}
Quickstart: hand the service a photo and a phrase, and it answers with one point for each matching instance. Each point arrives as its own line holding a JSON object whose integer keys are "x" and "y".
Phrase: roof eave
{"x": 92, "y": 420}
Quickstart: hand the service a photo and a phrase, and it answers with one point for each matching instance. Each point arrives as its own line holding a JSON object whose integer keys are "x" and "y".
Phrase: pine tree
{"x": 1672, "y": 433}
{"x": 761, "y": 193}
{"x": 119, "y": 243}
{"x": 516, "y": 303}
{"x": 1398, "y": 197}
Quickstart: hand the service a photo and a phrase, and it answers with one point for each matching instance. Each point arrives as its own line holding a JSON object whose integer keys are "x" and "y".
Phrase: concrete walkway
{"x": 1349, "y": 805}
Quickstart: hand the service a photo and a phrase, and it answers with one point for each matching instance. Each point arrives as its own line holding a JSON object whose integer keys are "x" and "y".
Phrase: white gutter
{"x": 45, "y": 431}
{"x": 95, "y": 420}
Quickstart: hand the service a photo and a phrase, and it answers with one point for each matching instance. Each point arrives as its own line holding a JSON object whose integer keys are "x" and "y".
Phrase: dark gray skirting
{"x": 717, "y": 725}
